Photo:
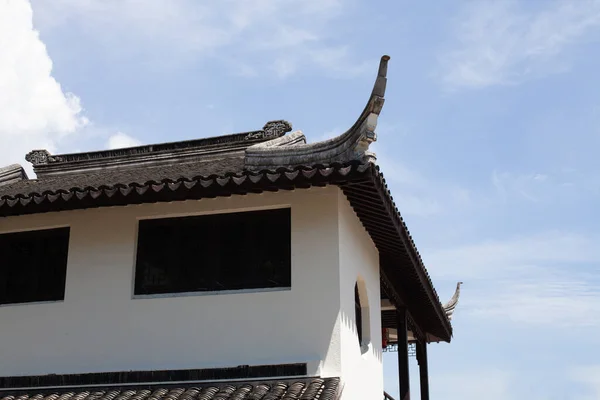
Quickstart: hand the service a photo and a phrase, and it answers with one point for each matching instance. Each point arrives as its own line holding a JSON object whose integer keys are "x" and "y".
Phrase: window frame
{"x": 222, "y": 211}
{"x": 66, "y": 275}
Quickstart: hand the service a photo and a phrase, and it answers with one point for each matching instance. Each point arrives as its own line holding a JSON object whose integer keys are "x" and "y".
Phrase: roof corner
{"x": 12, "y": 174}
{"x": 450, "y": 306}
{"x": 352, "y": 145}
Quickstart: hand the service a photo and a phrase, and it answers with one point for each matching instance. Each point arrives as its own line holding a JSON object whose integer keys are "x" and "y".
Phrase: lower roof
{"x": 255, "y": 382}
{"x": 301, "y": 388}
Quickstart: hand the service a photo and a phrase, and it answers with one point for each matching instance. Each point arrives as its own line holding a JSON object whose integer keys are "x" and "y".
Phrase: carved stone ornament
{"x": 38, "y": 157}
{"x": 272, "y": 129}
{"x": 276, "y": 128}
{"x": 41, "y": 157}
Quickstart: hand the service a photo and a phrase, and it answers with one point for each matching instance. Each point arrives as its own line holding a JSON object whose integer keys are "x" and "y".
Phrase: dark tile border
{"x": 163, "y": 376}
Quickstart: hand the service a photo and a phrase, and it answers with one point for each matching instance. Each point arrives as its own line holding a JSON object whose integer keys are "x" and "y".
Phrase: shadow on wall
{"x": 348, "y": 322}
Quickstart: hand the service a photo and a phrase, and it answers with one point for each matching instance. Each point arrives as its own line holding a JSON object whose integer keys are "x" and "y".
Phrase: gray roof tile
{"x": 125, "y": 175}
{"x": 301, "y": 389}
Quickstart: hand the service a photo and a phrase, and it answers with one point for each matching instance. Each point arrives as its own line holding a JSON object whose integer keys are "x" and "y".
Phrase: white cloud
{"x": 545, "y": 187}
{"x": 558, "y": 302}
{"x": 491, "y": 259}
{"x": 120, "y": 140}
{"x": 282, "y": 37}
{"x": 330, "y": 134}
{"x": 416, "y": 194}
{"x": 589, "y": 376}
{"x": 35, "y": 112}
{"x": 523, "y": 185}
{"x": 501, "y": 43}
{"x": 481, "y": 383}
{"x": 548, "y": 278}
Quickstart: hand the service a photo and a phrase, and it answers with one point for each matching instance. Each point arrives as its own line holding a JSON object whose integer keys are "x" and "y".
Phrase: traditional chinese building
{"x": 247, "y": 266}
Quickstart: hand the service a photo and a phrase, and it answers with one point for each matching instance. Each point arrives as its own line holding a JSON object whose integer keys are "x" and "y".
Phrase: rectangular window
{"x": 246, "y": 250}
{"x": 33, "y": 266}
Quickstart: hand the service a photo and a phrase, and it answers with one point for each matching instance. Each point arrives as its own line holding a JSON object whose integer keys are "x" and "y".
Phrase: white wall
{"x": 99, "y": 327}
{"x": 362, "y": 368}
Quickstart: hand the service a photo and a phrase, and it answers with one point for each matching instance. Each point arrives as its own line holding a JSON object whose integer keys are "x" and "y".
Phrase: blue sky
{"x": 489, "y": 139}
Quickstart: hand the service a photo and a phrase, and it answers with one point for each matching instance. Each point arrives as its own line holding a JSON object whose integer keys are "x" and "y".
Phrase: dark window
{"x": 248, "y": 250}
{"x": 33, "y": 266}
{"x": 358, "y": 314}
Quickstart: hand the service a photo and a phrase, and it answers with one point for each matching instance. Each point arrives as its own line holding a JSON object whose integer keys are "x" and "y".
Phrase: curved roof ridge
{"x": 450, "y": 306}
{"x": 352, "y": 145}
{"x": 46, "y": 164}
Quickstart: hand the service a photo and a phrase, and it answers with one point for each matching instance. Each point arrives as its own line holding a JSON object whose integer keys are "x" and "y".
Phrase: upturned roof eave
{"x": 353, "y": 146}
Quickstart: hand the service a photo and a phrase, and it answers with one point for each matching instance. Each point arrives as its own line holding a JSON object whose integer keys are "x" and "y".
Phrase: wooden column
{"x": 423, "y": 369}
{"x": 403, "y": 372}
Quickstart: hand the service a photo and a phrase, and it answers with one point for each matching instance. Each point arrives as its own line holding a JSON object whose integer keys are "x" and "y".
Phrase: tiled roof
{"x": 197, "y": 150}
{"x": 120, "y": 177}
{"x": 301, "y": 389}
{"x": 166, "y": 183}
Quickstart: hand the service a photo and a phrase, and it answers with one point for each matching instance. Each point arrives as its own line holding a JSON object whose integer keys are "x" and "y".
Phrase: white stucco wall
{"x": 99, "y": 327}
{"x": 362, "y": 368}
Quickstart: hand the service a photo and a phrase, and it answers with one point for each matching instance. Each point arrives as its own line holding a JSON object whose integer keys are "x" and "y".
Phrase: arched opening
{"x": 361, "y": 314}
{"x": 358, "y": 314}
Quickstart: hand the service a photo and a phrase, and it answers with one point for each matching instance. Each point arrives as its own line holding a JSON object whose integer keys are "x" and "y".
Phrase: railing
{"x": 387, "y": 396}
{"x": 393, "y": 347}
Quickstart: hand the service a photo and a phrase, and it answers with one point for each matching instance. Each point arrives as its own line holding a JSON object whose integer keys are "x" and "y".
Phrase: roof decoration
{"x": 12, "y": 174}
{"x": 353, "y": 145}
{"x": 37, "y": 157}
{"x": 46, "y": 164}
{"x": 271, "y": 130}
{"x": 451, "y": 305}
